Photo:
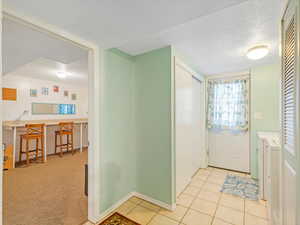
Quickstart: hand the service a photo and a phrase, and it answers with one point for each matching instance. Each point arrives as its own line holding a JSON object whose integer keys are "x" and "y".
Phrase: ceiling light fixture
{"x": 61, "y": 75}
{"x": 258, "y": 52}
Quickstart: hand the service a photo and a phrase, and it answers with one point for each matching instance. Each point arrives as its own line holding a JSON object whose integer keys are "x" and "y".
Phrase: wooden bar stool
{"x": 33, "y": 132}
{"x": 65, "y": 129}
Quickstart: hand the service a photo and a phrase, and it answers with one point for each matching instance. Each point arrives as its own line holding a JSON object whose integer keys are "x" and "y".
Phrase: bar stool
{"x": 33, "y": 132}
{"x": 65, "y": 129}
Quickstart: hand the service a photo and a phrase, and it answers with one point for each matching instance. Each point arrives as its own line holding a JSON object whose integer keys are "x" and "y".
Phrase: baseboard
{"x": 105, "y": 214}
{"x": 154, "y": 201}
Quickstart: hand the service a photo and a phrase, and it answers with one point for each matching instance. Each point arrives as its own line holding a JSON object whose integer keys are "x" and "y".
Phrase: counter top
{"x": 22, "y": 123}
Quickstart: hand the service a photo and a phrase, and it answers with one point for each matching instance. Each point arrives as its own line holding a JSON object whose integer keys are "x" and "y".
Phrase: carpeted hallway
{"x": 46, "y": 194}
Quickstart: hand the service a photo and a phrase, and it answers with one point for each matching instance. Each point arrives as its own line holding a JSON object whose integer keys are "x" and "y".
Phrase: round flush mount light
{"x": 257, "y": 52}
{"x": 61, "y": 74}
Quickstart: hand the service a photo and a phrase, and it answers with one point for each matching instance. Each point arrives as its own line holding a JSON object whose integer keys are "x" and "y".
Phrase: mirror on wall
{"x": 53, "y": 109}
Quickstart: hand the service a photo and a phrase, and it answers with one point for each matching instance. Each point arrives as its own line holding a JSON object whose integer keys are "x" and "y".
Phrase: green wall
{"x": 118, "y": 162}
{"x": 265, "y": 99}
{"x": 153, "y": 124}
{"x": 137, "y": 126}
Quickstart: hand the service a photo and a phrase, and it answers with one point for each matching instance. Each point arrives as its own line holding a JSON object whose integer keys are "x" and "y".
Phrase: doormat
{"x": 241, "y": 186}
{"x": 118, "y": 219}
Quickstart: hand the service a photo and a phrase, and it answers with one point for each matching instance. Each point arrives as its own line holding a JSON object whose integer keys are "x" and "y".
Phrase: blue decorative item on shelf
{"x": 67, "y": 109}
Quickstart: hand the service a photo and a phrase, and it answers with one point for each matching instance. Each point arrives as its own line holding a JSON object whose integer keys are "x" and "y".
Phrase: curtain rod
{"x": 236, "y": 77}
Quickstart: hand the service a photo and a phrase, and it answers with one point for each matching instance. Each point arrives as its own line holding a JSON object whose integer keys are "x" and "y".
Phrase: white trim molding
{"x": 154, "y": 201}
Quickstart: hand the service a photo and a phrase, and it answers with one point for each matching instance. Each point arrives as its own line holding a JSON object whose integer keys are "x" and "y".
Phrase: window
{"x": 228, "y": 104}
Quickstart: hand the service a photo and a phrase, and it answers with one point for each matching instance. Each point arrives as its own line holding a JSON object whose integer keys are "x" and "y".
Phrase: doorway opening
{"x": 52, "y": 79}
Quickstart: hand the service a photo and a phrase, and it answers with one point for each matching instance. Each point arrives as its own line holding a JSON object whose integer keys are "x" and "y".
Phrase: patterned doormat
{"x": 118, "y": 219}
{"x": 241, "y": 186}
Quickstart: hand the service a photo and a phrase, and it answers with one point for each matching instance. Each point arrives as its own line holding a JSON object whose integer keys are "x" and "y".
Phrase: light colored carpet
{"x": 46, "y": 194}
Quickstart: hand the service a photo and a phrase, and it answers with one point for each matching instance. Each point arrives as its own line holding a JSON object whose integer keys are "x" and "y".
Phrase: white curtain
{"x": 228, "y": 104}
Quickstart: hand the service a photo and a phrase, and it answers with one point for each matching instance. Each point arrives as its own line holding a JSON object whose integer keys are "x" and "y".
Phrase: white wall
{"x": 13, "y": 109}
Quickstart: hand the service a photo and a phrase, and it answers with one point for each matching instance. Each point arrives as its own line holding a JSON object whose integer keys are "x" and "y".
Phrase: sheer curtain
{"x": 228, "y": 104}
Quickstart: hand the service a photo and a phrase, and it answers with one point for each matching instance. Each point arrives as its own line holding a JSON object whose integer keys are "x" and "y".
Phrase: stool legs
{"x": 61, "y": 147}
{"x": 27, "y": 151}
{"x": 36, "y": 149}
{"x": 42, "y": 147}
{"x": 55, "y": 143}
{"x": 72, "y": 144}
{"x": 68, "y": 142}
{"x": 21, "y": 146}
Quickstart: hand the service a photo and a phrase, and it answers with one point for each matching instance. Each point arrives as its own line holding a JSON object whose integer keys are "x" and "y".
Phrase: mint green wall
{"x": 118, "y": 162}
{"x": 153, "y": 124}
{"x": 265, "y": 99}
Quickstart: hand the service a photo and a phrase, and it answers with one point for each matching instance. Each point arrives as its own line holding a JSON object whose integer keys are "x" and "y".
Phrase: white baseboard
{"x": 154, "y": 201}
{"x": 104, "y": 215}
{"x": 107, "y": 212}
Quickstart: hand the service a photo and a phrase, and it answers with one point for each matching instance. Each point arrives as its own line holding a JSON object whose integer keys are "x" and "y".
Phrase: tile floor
{"x": 201, "y": 203}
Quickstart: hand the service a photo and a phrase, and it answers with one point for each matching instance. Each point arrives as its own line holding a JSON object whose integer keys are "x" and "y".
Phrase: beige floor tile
{"x": 210, "y": 196}
{"x": 256, "y": 208}
{"x": 212, "y": 187}
{"x": 240, "y": 174}
{"x": 126, "y": 207}
{"x": 203, "y": 172}
{"x": 204, "y": 206}
{"x": 216, "y": 180}
{"x": 185, "y": 200}
{"x": 135, "y": 200}
{"x": 230, "y": 215}
{"x": 201, "y": 177}
{"x": 197, "y": 182}
{"x": 217, "y": 170}
{"x": 150, "y": 206}
{"x": 220, "y": 222}
{"x": 231, "y": 201}
{"x": 253, "y": 220}
{"x": 193, "y": 217}
{"x": 177, "y": 214}
{"x": 141, "y": 215}
{"x": 192, "y": 190}
{"x": 162, "y": 220}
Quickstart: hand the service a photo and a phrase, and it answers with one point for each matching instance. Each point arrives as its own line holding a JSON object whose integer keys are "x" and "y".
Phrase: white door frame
{"x": 95, "y": 99}
{"x": 242, "y": 74}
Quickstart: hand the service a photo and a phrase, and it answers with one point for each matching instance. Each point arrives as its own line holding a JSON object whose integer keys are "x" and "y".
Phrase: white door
{"x": 189, "y": 138}
{"x": 290, "y": 115}
{"x": 229, "y": 150}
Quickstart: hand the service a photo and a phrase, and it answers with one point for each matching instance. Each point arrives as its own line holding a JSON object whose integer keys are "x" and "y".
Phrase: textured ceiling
{"x": 213, "y": 34}
{"x": 46, "y": 69}
{"x": 22, "y": 45}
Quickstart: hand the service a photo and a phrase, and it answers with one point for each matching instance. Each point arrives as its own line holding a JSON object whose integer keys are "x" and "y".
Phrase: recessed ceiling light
{"x": 61, "y": 75}
{"x": 258, "y": 52}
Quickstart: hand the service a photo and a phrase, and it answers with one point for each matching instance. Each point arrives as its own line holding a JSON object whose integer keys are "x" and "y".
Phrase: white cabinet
{"x": 269, "y": 173}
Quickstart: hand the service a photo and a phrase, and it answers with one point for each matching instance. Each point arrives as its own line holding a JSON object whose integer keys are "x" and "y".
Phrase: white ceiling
{"x": 214, "y": 34}
{"x": 22, "y": 45}
{"x": 47, "y": 69}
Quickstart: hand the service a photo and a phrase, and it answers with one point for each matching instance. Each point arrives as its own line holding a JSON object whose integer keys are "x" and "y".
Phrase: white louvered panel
{"x": 289, "y": 87}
